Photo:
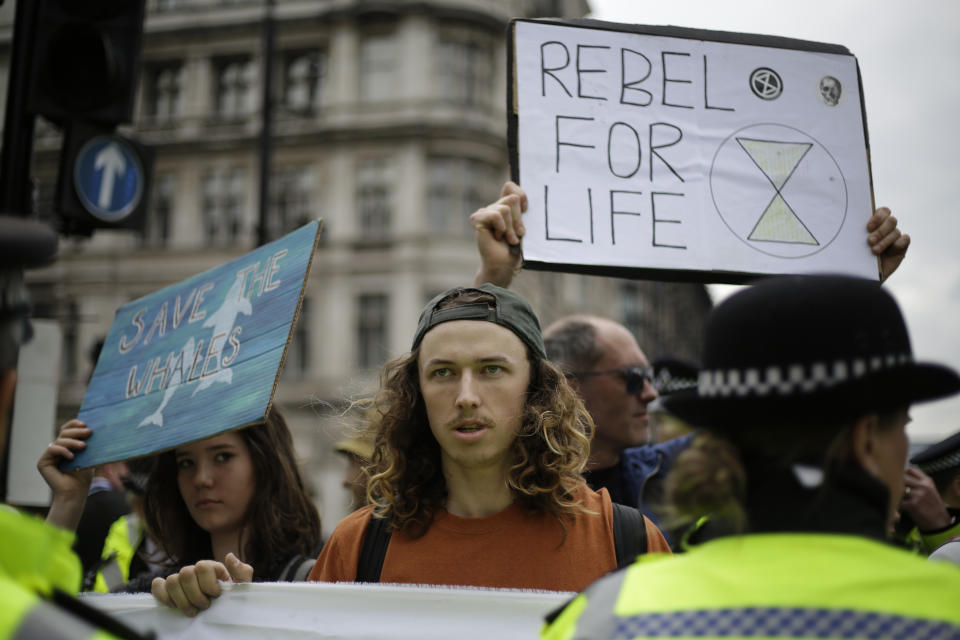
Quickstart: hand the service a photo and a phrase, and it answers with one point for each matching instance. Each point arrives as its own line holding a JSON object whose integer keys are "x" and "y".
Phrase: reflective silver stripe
{"x": 304, "y": 570}
{"x": 49, "y": 622}
{"x": 112, "y": 574}
{"x": 597, "y": 619}
{"x": 781, "y": 622}
{"x": 133, "y": 530}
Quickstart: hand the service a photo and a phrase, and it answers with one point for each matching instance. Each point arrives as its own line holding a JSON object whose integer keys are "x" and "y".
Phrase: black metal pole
{"x": 16, "y": 184}
{"x": 266, "y": 124}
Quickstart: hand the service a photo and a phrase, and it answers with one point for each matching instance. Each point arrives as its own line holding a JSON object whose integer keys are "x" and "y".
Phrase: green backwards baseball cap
{"x": 508, "y": 310}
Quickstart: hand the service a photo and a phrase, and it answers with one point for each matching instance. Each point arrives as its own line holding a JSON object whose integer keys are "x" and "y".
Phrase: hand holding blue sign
{"x": 69, "y": 488}
{"x": 226, "y": 329}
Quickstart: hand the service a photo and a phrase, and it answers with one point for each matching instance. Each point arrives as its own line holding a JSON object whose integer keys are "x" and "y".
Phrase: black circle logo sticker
{"x": 766, "y": 83}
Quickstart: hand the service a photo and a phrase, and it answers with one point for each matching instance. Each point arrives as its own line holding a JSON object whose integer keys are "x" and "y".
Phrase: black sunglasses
{"x": 634, "y": 376}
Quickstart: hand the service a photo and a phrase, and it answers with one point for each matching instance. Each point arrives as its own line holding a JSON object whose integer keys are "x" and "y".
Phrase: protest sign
{"x": 675, "y": 153}
{"x": 199, "y": 357}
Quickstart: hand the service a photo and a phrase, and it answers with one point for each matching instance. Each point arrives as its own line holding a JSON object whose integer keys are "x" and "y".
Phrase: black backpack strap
{"x": 297, "y": 569}
{"x": 629, "y": 534}
{"x": 376, "y": 539}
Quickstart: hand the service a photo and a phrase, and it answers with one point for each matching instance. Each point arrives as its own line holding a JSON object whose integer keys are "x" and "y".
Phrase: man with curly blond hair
{"x": 476, "y": 476}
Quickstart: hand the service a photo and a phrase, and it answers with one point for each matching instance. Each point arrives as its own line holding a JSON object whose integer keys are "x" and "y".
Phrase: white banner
{"x": 324, "y": 610}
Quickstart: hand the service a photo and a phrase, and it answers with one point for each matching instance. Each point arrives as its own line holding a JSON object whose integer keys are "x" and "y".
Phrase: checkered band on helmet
{"x": 941, "y": 464}
{"x": 781, "y": 622}
{"x": 666, "y": 382}
{"x": 794, "y": 379}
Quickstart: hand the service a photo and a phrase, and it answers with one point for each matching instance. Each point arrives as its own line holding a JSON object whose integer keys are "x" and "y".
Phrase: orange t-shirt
{"x": 510, "y": 549}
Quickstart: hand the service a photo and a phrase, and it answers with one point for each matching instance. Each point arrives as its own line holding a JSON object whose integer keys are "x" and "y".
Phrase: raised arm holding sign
{"x": 499, "y": 226}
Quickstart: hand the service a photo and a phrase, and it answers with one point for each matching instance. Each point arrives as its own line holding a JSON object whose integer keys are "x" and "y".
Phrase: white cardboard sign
{"x": 701, "y": 155}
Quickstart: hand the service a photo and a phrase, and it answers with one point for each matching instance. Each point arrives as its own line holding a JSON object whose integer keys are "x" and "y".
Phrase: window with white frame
{"x": 303, "y": 77}
{"x": 372, "y": 315}
{"x": 163, "y": 91}
{"x": 291, "y": 196}
{"x": 223, "y": 197}
{"x": 378, "y": 67}
{"x": 374, "y": 197}
{"x": 463, "y": 68}
{"x": 156, "y": 232}
{"x": 456, "y": 187}
{"x": 233, "y": 87}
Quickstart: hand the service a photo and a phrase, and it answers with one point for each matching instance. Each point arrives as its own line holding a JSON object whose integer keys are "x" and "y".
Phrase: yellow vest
{"x": 119, "y": 547}
{"x": 784, "y": 585}
{"x": 35, "y": 559}
{"x": 930, "y": 541}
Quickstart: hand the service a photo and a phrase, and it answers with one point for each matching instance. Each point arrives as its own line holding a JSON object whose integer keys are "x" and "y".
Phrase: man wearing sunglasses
{"x": 610, "y": 372}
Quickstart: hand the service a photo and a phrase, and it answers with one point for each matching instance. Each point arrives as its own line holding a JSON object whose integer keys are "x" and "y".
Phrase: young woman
{"x": 237, "y": 499}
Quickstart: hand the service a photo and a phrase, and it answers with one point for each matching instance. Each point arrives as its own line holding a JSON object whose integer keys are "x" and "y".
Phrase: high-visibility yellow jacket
{"x": 35, "y": 559}
{"x": 783, "y": 585}
{"x": 119, "y": 547}
{"x": 930, "y": 540}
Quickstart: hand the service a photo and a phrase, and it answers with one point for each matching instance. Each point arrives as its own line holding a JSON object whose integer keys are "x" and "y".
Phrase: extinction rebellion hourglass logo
{"x": 802, "y": 199}
{"x": 766, "y": 84}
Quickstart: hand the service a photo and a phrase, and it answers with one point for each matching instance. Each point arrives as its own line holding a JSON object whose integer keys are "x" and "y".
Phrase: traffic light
{"x": 85, "y": 59}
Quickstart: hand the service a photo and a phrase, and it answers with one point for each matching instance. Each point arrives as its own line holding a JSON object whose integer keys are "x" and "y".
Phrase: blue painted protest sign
{"x": 197, "y": 358}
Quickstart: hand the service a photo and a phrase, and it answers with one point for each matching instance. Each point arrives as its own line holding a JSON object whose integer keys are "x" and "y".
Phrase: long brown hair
{"x": 281, "y": 520}
{"x": 546, "y": 459}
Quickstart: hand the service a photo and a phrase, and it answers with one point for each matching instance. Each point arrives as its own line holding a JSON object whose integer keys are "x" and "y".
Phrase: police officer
{"x": 932, "y": 493}
{"x": 128, "y": 551}
{"x": 804, "y": 397}
{"x": 38, "y": 569}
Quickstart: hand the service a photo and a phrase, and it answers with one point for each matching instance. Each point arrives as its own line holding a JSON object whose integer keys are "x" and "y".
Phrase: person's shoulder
{"x": 101, "y": 510}
{"x": 361, "y": 515}
{"x": 586, "y": 495}
{"x": 340, "y": 556}
{"x": 353, "y": 523}
{"x": 19, "y": 527}
{"x": 650, "y": 453}
{"x": 597, "y": 503}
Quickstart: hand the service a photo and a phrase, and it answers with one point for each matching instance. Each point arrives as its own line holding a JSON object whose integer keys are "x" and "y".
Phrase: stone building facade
{"x": 388, "y": 123}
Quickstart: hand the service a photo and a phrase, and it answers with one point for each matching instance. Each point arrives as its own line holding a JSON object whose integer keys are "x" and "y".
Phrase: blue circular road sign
{"x": 108, "y": 177}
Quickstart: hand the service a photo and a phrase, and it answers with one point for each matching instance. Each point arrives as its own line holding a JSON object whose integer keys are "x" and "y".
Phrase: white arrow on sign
{"x": 111, "y": 161}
